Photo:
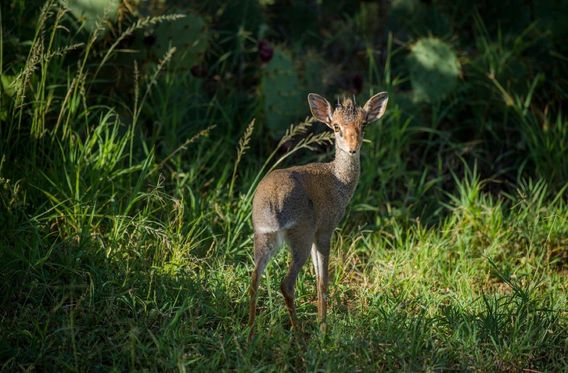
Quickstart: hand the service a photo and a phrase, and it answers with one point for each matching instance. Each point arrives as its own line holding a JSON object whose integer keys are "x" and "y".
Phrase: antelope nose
{"x": 352, "y": 151}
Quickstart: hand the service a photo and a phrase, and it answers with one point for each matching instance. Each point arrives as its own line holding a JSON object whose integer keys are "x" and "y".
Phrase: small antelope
{"x": 303, "y": 204}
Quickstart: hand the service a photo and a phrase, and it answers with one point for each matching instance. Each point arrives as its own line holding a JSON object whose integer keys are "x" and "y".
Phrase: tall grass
{"x": 125, "y": 234}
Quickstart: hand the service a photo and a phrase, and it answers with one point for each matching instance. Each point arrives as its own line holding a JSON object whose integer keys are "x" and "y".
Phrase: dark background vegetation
{"x": 133, "y": 134}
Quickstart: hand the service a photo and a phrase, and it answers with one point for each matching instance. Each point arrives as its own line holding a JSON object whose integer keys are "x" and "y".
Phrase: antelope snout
{"x": 352, "y": 140}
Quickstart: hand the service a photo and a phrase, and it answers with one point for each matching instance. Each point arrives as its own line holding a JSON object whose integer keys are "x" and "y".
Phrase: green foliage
{"x": 279, "y": 87}
{"x": 551, "y": 17}
{"x": 434, "y": 69}
{"x": 313, "y": 72}
{"x": 414, "y": 17}
{"x": 188, "y": 35}
{"x": 285, "y": 85}
{"x": 91, "y": 12}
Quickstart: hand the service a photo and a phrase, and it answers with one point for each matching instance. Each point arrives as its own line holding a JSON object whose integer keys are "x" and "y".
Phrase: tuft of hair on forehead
{"x": 348, "y": 108}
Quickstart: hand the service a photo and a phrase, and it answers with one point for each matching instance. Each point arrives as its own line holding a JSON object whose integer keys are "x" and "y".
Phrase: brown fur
{"x": 303, "y": 204}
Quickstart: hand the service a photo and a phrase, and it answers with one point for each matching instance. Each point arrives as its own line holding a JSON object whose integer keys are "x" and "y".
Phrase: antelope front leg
{"x": 320, "y": 259}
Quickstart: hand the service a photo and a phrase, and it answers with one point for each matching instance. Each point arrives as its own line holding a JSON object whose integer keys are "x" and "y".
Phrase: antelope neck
{"x": 346, "y": 168}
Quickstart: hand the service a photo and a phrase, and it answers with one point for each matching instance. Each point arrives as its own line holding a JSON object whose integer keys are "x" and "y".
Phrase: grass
{"x": 484, "y": 290}
{"x": 125, "y": 235}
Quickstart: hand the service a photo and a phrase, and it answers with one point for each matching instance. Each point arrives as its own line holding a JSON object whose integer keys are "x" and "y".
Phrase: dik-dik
{"x": 302, "y": 205}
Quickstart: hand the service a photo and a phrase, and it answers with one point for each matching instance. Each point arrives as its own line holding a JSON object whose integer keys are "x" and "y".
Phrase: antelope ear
{"x": 320, "y": 107}
{"x": 375, "y": 107}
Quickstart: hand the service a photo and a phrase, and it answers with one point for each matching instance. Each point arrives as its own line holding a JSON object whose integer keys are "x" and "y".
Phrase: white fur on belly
{"x": 272, "y": 228}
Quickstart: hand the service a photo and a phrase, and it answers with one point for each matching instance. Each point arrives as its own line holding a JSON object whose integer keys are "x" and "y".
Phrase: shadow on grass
{"x": 67, "y": 305}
